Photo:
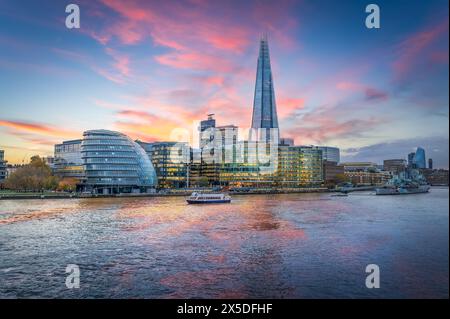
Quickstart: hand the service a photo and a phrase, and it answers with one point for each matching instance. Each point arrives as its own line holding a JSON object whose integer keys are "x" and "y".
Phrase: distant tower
{"x": 430, "y": 163}
{"x": 419, "y": 158}
{"x": 411, "y": 160}
{"x": 264, "y": 107}
{"x": 206, "y": 130}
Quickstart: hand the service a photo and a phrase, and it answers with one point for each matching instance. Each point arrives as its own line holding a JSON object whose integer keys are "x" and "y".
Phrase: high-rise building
{"x": 430, "y": 163}
{"x": 411, "y": 160}
{"x": 113, "y": 163}
{"x": 330, "y": 154}
{"x": 264, "y": 119}
{"x": 419, "y": 158}
{"x": 2, "y": 166}
{"x": 206, "y": 131}
{"x": 218, "y": 150}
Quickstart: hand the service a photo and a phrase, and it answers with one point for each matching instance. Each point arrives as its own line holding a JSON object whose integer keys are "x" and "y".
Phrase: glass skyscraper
{"x": 419, "y": 158}
{"x": 264, "y": 119}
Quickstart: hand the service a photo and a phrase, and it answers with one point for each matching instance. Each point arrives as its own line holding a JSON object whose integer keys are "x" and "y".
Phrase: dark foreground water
{"x": 282, "y": 246}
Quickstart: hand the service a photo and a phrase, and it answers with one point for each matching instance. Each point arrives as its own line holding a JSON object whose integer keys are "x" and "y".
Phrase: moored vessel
{"x": 407, "y": 182}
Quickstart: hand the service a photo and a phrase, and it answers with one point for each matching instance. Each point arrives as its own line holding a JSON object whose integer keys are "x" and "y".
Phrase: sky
{"x": 153, "y": 69}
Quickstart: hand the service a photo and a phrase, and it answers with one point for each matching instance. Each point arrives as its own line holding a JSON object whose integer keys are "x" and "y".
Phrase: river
{"x": 259, "y": 246}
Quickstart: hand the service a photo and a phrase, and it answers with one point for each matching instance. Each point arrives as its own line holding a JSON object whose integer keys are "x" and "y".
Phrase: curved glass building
{"x": 114, "y": 163}
{"x": 419, "y": 158}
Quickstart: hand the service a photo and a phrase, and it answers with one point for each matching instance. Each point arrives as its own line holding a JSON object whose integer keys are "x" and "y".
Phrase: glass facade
{"x": 69, "y": 152}
{"x": 419, "y": 158}
{"x": 300, "y": 166}
{"x": 170, "y": 160}
{"x": 255, "y": 166}
{"x": 113, "y": 163}
{"x": 295, "y": 166}
{"x": 264, "y": 107}
{"x": 330, "y": 154}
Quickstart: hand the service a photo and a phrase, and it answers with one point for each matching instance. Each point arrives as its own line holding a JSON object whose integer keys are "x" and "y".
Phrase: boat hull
{"x": 402, "y": 191}
{"x": 215, "y": 201}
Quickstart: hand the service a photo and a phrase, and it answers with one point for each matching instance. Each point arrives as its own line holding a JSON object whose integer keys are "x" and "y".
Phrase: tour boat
{"x": 208, "y": 198}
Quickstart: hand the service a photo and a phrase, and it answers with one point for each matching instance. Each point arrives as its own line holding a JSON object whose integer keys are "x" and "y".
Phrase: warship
{"x": 409, "y": 181}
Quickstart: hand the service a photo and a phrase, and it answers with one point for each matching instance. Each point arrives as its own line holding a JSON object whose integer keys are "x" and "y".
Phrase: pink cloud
{"x": 374, "y": 94}
{"x": 121, "y": 62}
{"x": 36, "y": 128}
{"x": 286, "y": 106}
{"x": 370, "y": 93}
{"x": 411, "y": 49}
{"x": 439, "y": 57}
{"x": 353, "y": 86}
{"x": 326, "y": 129}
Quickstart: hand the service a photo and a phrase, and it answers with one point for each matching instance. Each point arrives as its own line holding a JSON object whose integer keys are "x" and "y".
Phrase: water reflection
{"x": 283, "y": 246}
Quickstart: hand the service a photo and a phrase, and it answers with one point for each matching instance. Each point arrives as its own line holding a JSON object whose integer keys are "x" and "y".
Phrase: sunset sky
{"x": 146, "y": 68}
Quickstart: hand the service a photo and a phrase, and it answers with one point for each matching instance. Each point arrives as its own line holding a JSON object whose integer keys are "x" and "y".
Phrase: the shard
{"x": 264, "y": 119}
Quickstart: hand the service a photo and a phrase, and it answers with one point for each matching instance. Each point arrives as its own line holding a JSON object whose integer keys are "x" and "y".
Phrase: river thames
{"x": 259, "y": 246}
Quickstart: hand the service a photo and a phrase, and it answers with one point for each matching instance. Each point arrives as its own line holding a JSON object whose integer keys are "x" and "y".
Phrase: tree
{"x": 67, "y": 184}
{"x": 36, "y": 176}
{"x": 203, "y": 181}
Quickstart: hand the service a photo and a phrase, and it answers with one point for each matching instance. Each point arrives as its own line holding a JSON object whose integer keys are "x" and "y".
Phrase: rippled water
{"x": 280, "y": 246}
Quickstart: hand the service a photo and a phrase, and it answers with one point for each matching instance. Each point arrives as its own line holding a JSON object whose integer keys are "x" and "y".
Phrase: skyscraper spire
{"x": 264, "y": 107}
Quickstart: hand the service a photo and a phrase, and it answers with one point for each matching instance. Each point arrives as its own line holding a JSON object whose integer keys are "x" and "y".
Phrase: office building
{"x": 411, "y": 160}
{"x": 330, "y": 154}
{"x": 250, "y": 169}
{"x": 365, "y": 173}
{"x": 299, "y": 166}
{"x": 264, "y": 118}
{"x": 394, "y": 166}
{"x": 69, "y": 152}
{"x": 113, "y": 163}
{"x": 333, "y": 173}
{"x": 419, "y": 158}
{"x": 430, "y": 163}
{"x": 170, "y": 161}
{"x": 67, "y": 161}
